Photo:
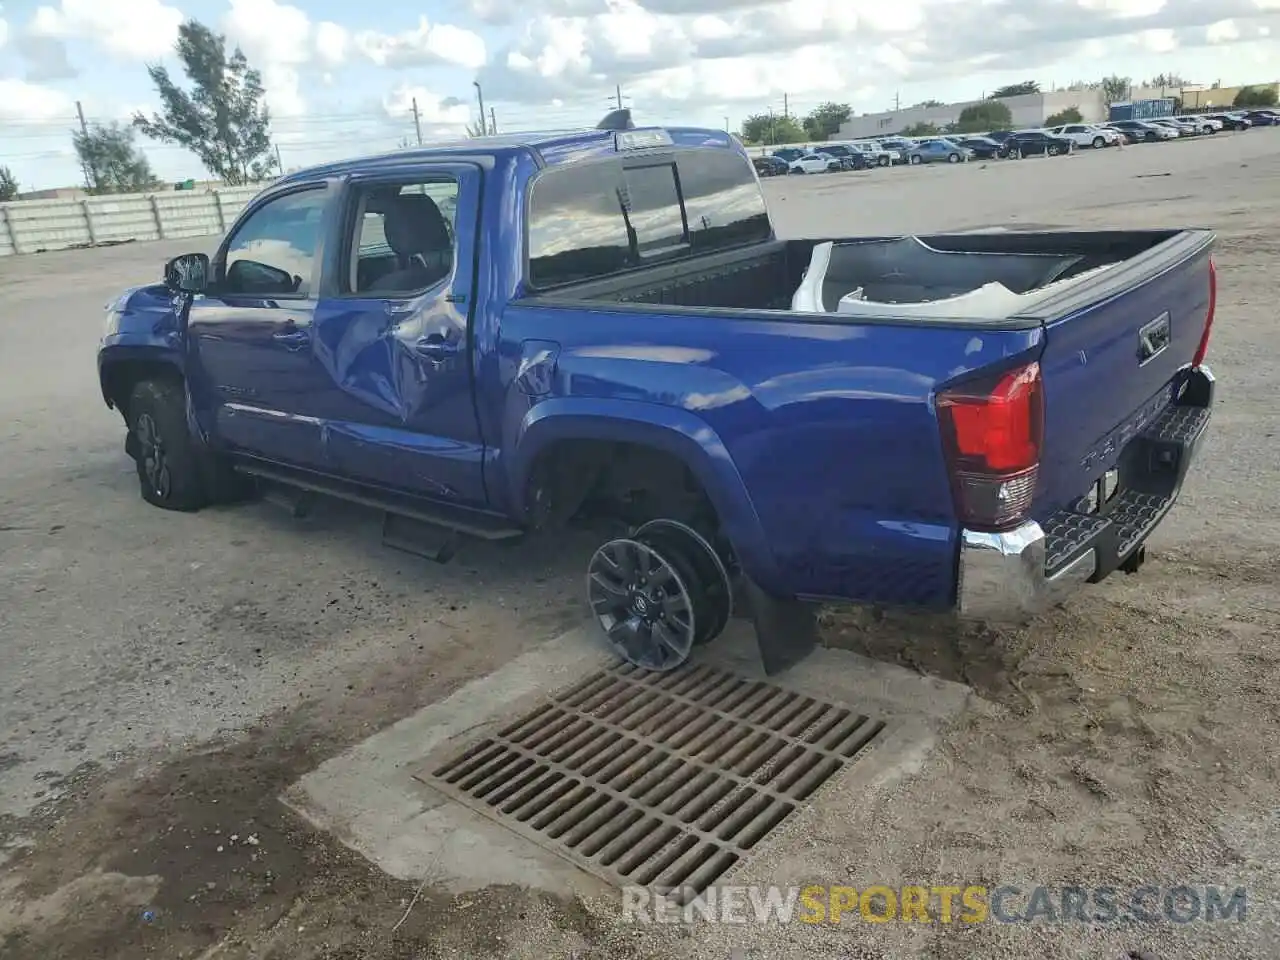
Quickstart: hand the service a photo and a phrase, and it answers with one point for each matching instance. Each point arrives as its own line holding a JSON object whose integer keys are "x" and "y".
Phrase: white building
{"x": 1028, "y": 110}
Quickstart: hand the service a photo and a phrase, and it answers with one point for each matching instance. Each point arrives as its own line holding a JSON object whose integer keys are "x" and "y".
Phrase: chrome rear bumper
{"x": 1002, "y": 575}
{"x": 1005, "y": 576}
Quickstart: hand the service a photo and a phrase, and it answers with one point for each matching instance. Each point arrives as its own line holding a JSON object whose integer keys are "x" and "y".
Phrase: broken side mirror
{"x": 187, "y": 273}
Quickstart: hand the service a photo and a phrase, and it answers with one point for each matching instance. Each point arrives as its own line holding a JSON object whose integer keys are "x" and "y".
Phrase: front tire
{"x": 883, "y": 162}
{"x": 1099, "y": 143}
{"x": 170, "y": 472}
{"x": 915, "y": 161}
{"x": 953, "y": 158}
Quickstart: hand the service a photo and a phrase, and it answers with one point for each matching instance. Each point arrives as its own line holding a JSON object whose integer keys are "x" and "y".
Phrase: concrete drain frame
{"x": 662, "y": 780}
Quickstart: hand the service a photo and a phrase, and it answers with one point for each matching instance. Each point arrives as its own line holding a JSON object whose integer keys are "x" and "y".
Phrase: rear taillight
{"x": 1208, "y": 317}
{"x": 992, "y": 430}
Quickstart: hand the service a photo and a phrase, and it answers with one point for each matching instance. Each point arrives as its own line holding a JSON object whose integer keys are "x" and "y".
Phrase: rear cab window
{"x": 598, "y": 218}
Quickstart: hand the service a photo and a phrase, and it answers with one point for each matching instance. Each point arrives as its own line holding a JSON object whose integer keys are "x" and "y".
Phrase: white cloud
{"x": 133, "y": 29}
{"x": 433, "y": 109}
{"x": 4, "y": 32}
{"x": 23, "y": 102}
{"x": 722, "y": 52}
{"x": 332, "y": 42}
{"x": 1224, "y": 31}
{"x": 423, "y": 45}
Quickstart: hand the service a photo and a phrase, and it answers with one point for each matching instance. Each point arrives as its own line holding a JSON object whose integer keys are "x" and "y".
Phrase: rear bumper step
{"x": 1009, "y": 575}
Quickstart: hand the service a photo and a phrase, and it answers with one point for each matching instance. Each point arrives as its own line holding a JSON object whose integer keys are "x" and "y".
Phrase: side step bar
{"x": 473, "y": 523}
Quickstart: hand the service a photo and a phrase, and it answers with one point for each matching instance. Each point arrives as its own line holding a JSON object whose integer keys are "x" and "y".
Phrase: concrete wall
{"x": 34, "y": 226}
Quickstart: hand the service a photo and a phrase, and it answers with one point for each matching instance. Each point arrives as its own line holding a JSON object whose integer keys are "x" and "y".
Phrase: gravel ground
{"x": 164, "y": 677}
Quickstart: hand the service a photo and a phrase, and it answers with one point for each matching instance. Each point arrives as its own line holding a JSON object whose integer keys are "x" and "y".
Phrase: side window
{"x": 404, "y": 237}
{"x": 273, "y": 251}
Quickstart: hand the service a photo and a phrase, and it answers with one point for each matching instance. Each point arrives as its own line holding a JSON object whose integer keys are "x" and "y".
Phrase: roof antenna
{"x": 617, "y": 120}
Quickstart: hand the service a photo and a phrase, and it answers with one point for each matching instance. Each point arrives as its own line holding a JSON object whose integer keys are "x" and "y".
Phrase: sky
{"x": 342, "y": 77}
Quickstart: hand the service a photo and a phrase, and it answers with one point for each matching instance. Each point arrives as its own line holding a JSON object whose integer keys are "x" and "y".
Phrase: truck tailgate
{"x": 1114, "y": 357}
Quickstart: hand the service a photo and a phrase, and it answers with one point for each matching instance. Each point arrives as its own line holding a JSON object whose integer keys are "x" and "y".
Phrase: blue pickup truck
{"x": 510, "y": 334}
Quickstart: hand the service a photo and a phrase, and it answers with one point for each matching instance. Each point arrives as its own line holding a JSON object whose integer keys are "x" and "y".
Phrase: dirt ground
{"x": 164, "y": 678}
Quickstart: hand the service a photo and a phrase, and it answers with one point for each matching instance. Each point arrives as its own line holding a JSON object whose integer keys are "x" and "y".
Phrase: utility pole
{"x": 493, "y": 121}
{"x": 484, "y": 130}
{"x": 726, "y": 124}
{"x": 786, "y": 109}
{"x": 89, "y": 182}
{"x": 417, "y": 121}
{"x": 773, "y": 130}
{"x": 897, "y": 101}
{"x": 279, "y": 162}
{"x": 617, "y": 92}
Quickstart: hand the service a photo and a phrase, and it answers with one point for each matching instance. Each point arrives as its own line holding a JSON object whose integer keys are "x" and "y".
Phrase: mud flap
{"x": 786, "y": 629}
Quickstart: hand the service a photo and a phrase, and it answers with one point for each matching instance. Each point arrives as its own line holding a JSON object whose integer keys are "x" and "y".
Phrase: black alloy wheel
{"x": 704, "y": 572}
{"x": 642, "y": 603}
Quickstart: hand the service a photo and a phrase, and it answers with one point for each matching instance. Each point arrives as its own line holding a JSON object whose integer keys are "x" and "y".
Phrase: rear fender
{"x": 668, "y": 429}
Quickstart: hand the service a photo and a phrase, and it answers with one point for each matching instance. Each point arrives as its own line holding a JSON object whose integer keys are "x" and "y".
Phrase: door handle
{"x": 436, "y": 347}
{"x": 292, "y": 337}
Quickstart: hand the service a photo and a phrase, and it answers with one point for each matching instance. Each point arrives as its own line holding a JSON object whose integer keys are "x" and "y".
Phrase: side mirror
{"x": 187, "y": 273}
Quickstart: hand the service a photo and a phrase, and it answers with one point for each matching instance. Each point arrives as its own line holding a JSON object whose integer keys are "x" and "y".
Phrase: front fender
{"x": 669, "y": 429}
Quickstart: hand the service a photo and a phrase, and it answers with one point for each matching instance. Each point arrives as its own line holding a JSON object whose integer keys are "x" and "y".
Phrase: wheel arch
{"x": 120, "y": 369}
{"x": 676, "y": 433}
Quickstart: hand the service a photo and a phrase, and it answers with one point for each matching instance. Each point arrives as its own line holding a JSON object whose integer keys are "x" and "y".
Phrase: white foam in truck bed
{"x": 991, "y": 300}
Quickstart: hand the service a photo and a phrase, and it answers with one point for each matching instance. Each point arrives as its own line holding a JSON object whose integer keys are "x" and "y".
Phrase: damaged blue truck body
{"x": 505, "y": 335}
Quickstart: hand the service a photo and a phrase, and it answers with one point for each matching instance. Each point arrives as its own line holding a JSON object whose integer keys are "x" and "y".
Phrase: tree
{"x": 1069, "y": 115}
{"x": 824, "y": 120}
{"x": 8, "y": 185}
{"x": 1115, "y": 89}
{"x": 1166, "y": 80}
{"x": 113, "y": 163}
{"x": 920, "y": 130}
{"x": 930, "y": 103}
{"x": 1017, "y": 89}
{"x": 222, "y": 120}
{"x": 1255, "y": 97}
{"x": 769, "y": 128}
{"x": 987, "y": 115}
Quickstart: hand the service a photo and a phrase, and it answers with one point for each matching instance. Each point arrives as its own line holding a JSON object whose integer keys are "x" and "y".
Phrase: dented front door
{"x": 399, "y": 413}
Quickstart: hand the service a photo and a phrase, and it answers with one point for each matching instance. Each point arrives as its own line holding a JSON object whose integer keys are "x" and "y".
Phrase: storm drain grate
{"x": 663, "y": 780}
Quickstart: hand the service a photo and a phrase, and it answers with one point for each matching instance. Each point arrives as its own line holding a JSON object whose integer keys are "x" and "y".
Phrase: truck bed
{"x": 888, "y": 269}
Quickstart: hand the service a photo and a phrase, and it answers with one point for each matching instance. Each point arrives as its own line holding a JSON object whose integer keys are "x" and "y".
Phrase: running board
{"x": 473, "y": 523}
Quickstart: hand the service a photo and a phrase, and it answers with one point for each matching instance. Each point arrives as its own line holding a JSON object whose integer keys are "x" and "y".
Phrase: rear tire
{"x": 953, "y": 158}
{"x": 915, "y": 161}
{"x": 170, "y": 473}
{"x": 883, "y": 162}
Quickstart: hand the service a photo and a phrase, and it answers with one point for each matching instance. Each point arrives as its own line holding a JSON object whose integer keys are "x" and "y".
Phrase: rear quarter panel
{"x": 829, "y": 428}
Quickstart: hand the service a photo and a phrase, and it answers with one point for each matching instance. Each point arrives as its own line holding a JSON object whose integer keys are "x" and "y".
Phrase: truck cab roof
{"x": 548, "y": 148}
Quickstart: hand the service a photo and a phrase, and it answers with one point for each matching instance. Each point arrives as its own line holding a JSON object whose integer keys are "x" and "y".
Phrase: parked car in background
{"x": 1205, "y": 124}
{"x": 873, "y": 153}
{"x": 1138, "y": 131}
{"x": 769, "y": 166}
{"x": 1231, "y": 121}
{"x": 983, "y": 148}
{"x": 1263, "y": 118}
{"x": 937, "y": 149}
{"x": 789, "y": 154}
{"x": 1000, "y": 136}
{"x": 814, "y": 163}
{"x": 850, "y": 159}
{"x": 1088, "y": 135}
{"x": 1183, "y": 129}
{"x": 1032, "y": 143}
{"x": 898, "y": 146}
